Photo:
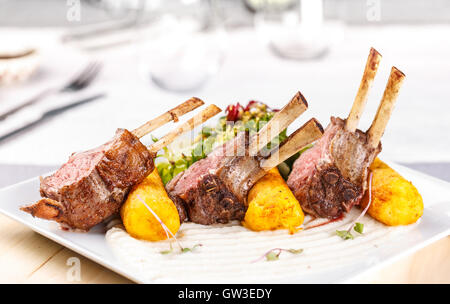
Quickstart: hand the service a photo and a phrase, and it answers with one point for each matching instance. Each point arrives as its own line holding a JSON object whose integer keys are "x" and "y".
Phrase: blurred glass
{"x": 183, "y": 45}
{"x": 296, "y": 29}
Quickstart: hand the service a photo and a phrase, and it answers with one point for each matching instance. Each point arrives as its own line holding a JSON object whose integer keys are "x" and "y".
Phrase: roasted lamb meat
{"x": 331, "y": 177}
{"x": 93, "y": 184}
{"x": 214, "y": 190}
{"x": 200, "y": 195}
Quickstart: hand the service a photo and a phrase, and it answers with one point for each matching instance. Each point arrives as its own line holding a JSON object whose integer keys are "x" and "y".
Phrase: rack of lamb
{"x": 332, "y": 177}
{"x": 93, "y": 184}
{"x": 214, "y": 189}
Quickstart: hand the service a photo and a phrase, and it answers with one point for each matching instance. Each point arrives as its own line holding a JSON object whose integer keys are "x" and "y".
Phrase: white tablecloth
{"x": 418, "y": 130}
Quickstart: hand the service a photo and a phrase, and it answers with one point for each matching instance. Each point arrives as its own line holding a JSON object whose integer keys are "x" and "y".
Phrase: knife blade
{"x": 35, "y": 120}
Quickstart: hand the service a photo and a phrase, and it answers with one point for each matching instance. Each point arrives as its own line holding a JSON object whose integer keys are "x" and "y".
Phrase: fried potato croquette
{"x": 139, "y": 222}
{"x": 272, "y": 205}
{"x": 395, "y": 201}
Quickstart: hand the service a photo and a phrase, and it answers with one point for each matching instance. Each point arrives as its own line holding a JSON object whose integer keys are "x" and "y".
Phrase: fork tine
{"x": 89, "y": 73}
{"x": 86, "y": 72}
{"x": 74, "y": 81}
{"x": 90, "y": 76}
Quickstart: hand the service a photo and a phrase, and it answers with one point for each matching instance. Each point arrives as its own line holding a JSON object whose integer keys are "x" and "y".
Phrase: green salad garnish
{"x": 251, "y": 118}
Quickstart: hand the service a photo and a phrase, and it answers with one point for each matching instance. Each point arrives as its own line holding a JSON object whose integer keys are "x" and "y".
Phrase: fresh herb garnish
{"x": 182, "y": 249}
{"x": 344, "y": 234}
{"x": 347, "y": 235}
{"x": 359, "y": 227}
{"x": 274, "y": 254}
{"x": 295, "y": 251}
{"x": 186, "y": 249}
{"x": 250, "y": 118}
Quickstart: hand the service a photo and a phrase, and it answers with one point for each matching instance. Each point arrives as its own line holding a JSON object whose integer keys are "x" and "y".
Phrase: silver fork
{"x": 77, "y": 83}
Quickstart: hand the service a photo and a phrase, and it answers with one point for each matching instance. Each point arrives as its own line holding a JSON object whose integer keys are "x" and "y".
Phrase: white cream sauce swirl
{"x": 227, "y": 251}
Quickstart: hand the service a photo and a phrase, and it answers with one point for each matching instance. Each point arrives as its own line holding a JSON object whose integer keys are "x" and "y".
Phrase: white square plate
{"x": 434, "y": 224}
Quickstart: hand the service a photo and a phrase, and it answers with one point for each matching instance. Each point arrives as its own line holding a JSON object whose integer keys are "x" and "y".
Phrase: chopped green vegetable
{"x": 359, "y": 227}
{"x": 170, "y": 163}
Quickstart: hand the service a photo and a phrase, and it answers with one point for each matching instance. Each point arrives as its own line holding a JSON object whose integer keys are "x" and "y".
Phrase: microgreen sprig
{"x": 274, "y": 254}
{"x": 182, "y": 250}
{"x": 359, "y": 227}
{"x": 344, "y": 234}
{"x": 187, "y": 249}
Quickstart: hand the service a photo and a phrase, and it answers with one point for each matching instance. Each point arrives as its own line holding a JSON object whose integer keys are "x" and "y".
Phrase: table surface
{"x": 420, "y": 52}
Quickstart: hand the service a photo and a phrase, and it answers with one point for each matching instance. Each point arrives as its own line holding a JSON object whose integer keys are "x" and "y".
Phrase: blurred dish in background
{"x": 184, "y": 44}
{"x": 17, "y": 63}
{"x": 297, "y": 30}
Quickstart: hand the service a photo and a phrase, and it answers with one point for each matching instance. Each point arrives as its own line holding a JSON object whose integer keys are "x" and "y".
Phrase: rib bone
{"x": 359, "y": 103}
{"x": 308, "y": 133}
{"x": 173, "y": 114}
{"x": 198, "y": 119}
{"x": 280, "y": 121}
{"x": 386, "y": 106}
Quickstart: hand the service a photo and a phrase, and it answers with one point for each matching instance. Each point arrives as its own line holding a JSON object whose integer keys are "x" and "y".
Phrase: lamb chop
{"x": 214, "y": 189}
{"x": 331, "y": 177}
{"x": 93, "y": 184}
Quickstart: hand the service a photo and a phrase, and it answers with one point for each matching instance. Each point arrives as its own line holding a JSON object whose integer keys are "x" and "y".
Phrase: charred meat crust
{"x": 179, "y": 203}
{"x": 330, "y": 194}
{"x": 49, "y": 209}
{"x": 91, "y": 198}
{"x": 181, "y": 207}
{"x": 46, "y": 209}
{"x": 125, "y": 161}
{"x": 209, "y": 203}
{"x": 214, "y": 190}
